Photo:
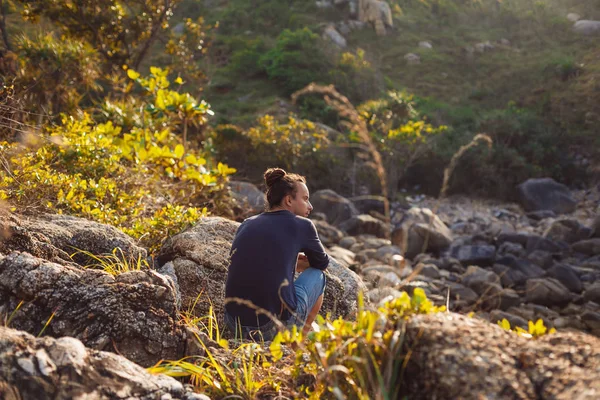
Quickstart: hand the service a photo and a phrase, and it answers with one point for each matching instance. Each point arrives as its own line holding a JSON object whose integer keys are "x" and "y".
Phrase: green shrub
{"x": 296, "y": 60}
{"x": 524, "y": 146}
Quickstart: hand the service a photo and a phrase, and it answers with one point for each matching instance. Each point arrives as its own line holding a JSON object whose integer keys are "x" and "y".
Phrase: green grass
{"x": 539, "y": 35}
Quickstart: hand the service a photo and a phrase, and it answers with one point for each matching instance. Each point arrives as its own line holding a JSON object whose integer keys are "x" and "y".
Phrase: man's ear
{"x": 288, "y": 200}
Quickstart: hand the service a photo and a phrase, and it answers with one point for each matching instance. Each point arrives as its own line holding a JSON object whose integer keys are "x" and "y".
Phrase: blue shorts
{"x": 310, "y": 285}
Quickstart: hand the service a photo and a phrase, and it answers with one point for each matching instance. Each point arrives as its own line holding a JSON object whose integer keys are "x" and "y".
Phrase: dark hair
{"x": 280, "y": 184}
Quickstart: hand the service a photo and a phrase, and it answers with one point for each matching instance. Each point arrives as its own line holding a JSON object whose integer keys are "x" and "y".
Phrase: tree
{"x": 122, "y": 31}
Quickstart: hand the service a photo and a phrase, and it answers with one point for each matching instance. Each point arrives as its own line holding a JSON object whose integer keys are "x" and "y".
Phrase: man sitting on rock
{"x": 265, "y": 253}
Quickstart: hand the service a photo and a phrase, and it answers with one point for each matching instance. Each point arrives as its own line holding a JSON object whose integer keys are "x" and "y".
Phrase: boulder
{"x": 64, "y": 369}
{"x": 412, "y": 59}
{"x": 590, "y": 247}
{"x": 133, "y": 314}
{"x": 365, "y": 224}
{"x": 343, "y": 256}
{"x": 535, "y": 242}
{"x": 474, "y": 275}
{"x": 331, "y": 34}
{"x": 347, "y": 242}
{"x": 592, "y": 293}
{"x": 595, "y": 227}
{"x": 421, "y": 231}
{"x": 457, "y": 357}
{"x": 482, "y": 255}
{"x": 337, "y": 208}
{"x": 329, "y": 235}
{"x": 547, "y": 292}
{"x": 376, "y": 12}
{"x": 54, "y": 237}
{"x": 428, "y": 270}
{"x": 425, "y": 45}
{"x": 587, "y": 27}
{"x": 515, "y": 320}
{"x": 573, "y": 17}
{"x": 566, "y": 275}
{"x": 352, "y": 286}
{"x": 248, "y": 197}
{"x": 366, "y": 204}
{"x": 567, "y": 230}
{"x": 200, "y": 257}
{"x": 546, "y": 194}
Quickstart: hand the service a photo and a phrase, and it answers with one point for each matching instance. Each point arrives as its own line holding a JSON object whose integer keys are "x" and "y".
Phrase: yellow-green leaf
{"x": 179, "y": 151}
{"x": 132, "y": 74}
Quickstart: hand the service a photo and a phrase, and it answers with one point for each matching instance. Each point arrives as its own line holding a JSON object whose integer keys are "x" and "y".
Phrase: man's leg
{"x": 312, "y": 315}
{"x": 310, "y": 287}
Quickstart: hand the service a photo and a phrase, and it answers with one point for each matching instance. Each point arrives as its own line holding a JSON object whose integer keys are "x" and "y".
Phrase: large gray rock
{"x": 248, "y": 196}
{"x": 54, "y": 237}
{"x": 592, "y": 293}
{"x": 337, "y": 208}
{"x": 421, "y": 231}
{"x": 368, "y": 203}
{"x": 567, "y": 230}
{"x": 133, "y": 314}
{"x": 566, "y": 275}
{"x": 331, "y": 34}
{"x": 546, "y": 194}
{"x": 329, "y": 235}
{"x": 365, "y": 224}
{"x": 482, "y": 255}
{"x": 587, "y": 27}
{"x": 200, "y": 257}
{"x": 346, "y": 301}
{"x": 64, "y": 369}
{"x": 590, "y": 247}
{"x": 547, "y": 292}
{"x": 457, "y": 357}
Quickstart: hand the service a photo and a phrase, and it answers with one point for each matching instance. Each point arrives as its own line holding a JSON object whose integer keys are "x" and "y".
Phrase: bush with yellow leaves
{"x": 138, "y": 176}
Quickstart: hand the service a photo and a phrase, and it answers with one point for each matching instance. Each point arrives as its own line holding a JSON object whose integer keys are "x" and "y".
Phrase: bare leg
{"x": 312, "y": 315}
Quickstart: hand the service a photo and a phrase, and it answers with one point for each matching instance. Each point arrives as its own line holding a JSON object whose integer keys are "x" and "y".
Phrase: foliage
{"x": 139, "y": 178}
{"x": 401, "y": 134}
{"x": 286, "y": 142}
{"x": 525, "y": 146}
{"x": 54, "y": 74}
{"x": 535, "y": 329}
{"x": 121, "y": 31}
{"x": 296, "y": 60}
{"x": 354, "y": 75}
{"x": 360, "y": 359}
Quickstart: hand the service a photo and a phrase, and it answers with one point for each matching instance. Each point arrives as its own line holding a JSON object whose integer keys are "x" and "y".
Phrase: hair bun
{"x": 272, "y": 175}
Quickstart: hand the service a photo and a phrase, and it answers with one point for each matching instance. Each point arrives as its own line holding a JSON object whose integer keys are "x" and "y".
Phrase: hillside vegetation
{"x": 514, "y": 70}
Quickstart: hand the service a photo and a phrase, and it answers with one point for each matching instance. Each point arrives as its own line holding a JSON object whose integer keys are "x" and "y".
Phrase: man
{"x": 265, "y": 254}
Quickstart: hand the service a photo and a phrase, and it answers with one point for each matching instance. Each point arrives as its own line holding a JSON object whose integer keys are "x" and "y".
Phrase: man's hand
{"x": 302, "y": 263}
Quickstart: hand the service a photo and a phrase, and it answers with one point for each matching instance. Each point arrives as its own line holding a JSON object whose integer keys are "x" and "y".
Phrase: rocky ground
{"x": 538, "y": 259}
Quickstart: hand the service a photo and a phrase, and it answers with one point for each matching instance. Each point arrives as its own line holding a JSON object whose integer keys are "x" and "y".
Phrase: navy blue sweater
{"x": 264, "y": 254}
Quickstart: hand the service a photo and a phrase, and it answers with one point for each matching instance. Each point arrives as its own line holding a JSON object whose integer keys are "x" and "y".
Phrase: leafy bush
{"x": 138, "y": 177}
{"x": 524, "y": 146}
{"x": 296, "y": 60}
{"x": 55, "y": 74}
{"x": 355, "y": 77}
{"x": 401, "y": 134}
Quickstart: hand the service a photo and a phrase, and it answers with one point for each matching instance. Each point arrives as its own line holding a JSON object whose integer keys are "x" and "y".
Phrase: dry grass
{"x": 354, "y": 123}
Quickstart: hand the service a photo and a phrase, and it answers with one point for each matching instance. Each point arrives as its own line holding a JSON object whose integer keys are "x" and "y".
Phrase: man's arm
{"x": 313, "y": 248}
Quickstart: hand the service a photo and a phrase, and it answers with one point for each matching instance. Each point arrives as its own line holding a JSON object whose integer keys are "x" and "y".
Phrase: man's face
{"x": 300, "y": 204}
